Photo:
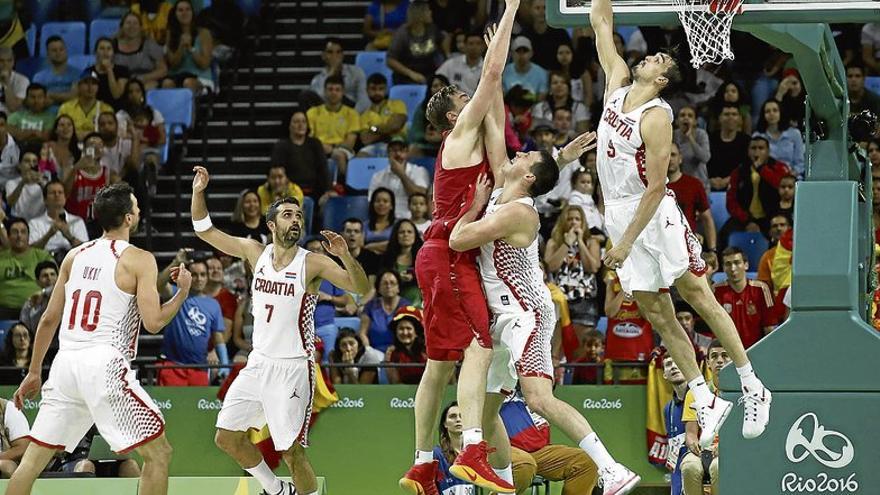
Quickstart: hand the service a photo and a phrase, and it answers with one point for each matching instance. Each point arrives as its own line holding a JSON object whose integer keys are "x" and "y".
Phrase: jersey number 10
{"x": 91, "y": 310}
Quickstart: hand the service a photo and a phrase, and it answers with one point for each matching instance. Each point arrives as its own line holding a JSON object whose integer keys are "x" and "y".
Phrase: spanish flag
{"x": 659, "y": 393}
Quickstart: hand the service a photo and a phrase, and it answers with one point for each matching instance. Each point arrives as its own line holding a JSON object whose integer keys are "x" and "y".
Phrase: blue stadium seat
{"x": 5, "y": 325}
{"x": 30, "y": 66}
{"x": 873, "y": 84}
{"x": 337, "y": 209}
{"x": 719, "y": 276}
{"x": 602, "y": 325}
{"x": 101, "y": 27}
{"x": 176, "y": 105}
{"x": 308, "y": 212}
{"x": 81, "y": 61}
{"x": 361, "y": 170}
{"x": 372, "y": 63}
{"x": 251, "y": 8}
{"x": 73, "y": 34}
{"x": 426, "y": 162}
{"x": 352, "y": 322}
{"x": 31, "y": 37}
{"x": 411, "y": 94}
{"x": 718, "y": 205}
{"x": 753, "y": 245}
{"x": 625, "y": 32}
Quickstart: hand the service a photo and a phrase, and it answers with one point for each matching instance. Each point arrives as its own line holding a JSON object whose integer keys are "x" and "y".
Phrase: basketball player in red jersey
{"x": 106, "y": 288}
{"x": 456, "y": 315}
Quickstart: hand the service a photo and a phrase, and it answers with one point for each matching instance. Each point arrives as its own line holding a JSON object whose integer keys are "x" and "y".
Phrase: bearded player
{"x": 654, "y": 247}
{"x": 277, "y": 384}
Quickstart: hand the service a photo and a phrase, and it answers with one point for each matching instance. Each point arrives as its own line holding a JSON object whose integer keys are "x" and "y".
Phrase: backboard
{"x": 575, "y": 13}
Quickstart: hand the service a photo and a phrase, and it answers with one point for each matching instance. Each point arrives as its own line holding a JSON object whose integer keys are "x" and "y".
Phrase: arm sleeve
{"x": 15, "y": 422}
{"x": 702, "y": 149}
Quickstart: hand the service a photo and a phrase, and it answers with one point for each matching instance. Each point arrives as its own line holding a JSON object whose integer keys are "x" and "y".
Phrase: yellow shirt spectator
{"x": 85, "y": 120}
{"x": 267, "y": 198}
{"x": 379, "y": 115}
{"x": 332, "y": 128}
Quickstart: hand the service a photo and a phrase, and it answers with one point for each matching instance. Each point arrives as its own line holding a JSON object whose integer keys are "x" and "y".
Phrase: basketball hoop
{"x": 707, "y": 26}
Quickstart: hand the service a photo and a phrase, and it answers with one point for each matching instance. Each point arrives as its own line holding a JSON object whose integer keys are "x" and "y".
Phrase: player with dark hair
{"x": 277, "y": 385}
{"x": 654, "y": 247}
{"x": 105, "y": 290}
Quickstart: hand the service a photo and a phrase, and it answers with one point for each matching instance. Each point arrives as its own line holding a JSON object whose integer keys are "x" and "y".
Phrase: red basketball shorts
{"x": 455, "y": 306}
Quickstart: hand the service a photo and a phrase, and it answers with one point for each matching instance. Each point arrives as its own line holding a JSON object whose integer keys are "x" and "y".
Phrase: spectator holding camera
{"x": 57, "y": 230}
{"x": 24, "y": 194}
{"x": 83, "y": 181}
{"x": 198, "y": 323}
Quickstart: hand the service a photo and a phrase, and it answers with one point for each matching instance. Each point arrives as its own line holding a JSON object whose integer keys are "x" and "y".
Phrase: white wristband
{"x": 203, "y": 224}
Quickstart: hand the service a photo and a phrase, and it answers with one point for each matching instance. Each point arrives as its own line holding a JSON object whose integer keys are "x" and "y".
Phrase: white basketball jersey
{"x": 96, "y": 310}
{"x": 284, "y": 312}
{"x": 620, "y": 154}
{"x": 512, "y": 276}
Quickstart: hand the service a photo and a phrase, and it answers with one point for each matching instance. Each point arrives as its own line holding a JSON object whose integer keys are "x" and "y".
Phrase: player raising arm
{"x": 653, "y": 246}
{"x": 276, "y": 387}
{"x": 105, "y": 288}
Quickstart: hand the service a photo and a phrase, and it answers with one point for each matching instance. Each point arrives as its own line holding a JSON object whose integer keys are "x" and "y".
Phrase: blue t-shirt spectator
{"x": 187, "y": 336}
{"x": 57, "y": 82}
{"x": 449, "y": 484}
{"x": 379, "y": 334}
{"x": 534, "y": 80}
{"x": 675, "y": 433}
{"x": 325, "y": 312}
{"x": 388, "y": 19}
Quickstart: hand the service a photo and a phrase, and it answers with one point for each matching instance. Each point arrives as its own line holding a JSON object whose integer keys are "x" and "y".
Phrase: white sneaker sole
{"x": 706, "y": 440}
{"x": 628, "y": 486}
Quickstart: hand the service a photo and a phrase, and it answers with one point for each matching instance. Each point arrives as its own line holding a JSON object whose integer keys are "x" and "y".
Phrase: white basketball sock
{"x": 505, "y": 473}
{"x": 424, "y": 456}
{"x": 702, "y": 394}
{"x": 471, "y": 436}
{"x": 596, "y": 450}
{"x": 266, "y": 477}
{"x": 748, "y": 378}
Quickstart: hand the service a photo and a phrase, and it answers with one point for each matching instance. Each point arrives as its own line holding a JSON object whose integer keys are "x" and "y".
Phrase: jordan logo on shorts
{"x": 294, "y": 396}
{"x": 669, "y": 224}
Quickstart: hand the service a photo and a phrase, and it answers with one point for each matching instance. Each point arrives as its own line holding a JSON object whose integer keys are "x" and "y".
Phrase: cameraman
{"x": 198, "y": 323}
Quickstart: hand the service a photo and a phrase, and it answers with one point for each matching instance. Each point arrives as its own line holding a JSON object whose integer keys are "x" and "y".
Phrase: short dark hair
{"x": 103, "y": 38}
{"x": 44, "y": 265}
{"x": 726, "y": 105}
{"x": 546, "y": 173}
{"x": 353, "y": 220}
{"x": 672, "y": 74}
{"x": 439, "y": 105}
{"x": 278, "y": 165}
{"x": 856, "y": 65}
{"x": 35, "y": 87}
{"x": 334, "y": 40}
{"x": 417, "y": 195}
{"x": 53, "y": 39}
{"x": 376, "y": 79}
{"x": 51, "y": 182}
{"x": 272, "y": 212}
{"x": 732, "y": 250}
{"x": 14, "y": 220}
{"x": 761, "y": 138}
{"x": 92, "y": 135}
{"x": 334, "y": 79}
{"x": 382, "y": 273}
{"x": 715, "y": 343}
{"x": 111, "y": 205}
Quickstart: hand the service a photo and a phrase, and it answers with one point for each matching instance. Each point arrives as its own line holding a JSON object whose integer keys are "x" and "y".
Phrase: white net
{"x": 707, "y": 26}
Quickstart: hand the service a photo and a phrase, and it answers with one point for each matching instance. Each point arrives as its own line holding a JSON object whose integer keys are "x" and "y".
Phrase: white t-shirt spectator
{"x": 579, "y": 111}
{"x": 114, "y": 156}
{"x": 594, "y": 217}
{"x": 42, "y": 224}
{"x": 9, "y": 160}
{"x": 15, "y": 422}
{"x": 422, "y": 227}
{"x": 871, "y": 37}
{"x": 30, "y": 202}
{"x": 562, "y": 189}
{"x": 18, "y": 83}
{"x": 386, "y": 178}
{"x": 457, "y": 70}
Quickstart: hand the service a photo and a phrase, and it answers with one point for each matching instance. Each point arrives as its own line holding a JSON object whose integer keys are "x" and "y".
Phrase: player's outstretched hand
{"x": 27, "y": 390}
{"x": 200, "y": 181}
{"x": 577, "y": 147}
{"x": 182, "y": 277}
{"x": 483, "y": 191}
{"x": 335, "y": 243}
{"x": 490, "y": 33}
{"x": 615, "y": 256}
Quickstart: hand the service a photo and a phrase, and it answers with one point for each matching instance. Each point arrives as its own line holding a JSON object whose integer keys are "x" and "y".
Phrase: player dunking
{"x": 456, "y": 317}
{"x": 653, "y": 245}
{"x": 105, "y": 289}
{"x": 276, "y": 387}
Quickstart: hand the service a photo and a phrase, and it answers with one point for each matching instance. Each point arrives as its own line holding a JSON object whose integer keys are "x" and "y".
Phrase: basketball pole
{"x": 821, "y": 363}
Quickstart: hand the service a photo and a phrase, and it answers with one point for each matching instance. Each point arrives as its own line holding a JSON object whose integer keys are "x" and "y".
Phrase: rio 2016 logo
{"x": 349, "y": 403}
{"x": 839, "y": 454}
{"x": 603, "y": 403}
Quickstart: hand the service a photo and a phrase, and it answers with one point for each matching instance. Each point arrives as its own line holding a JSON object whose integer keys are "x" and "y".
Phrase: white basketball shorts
{"x": 277, "y": 392}
{"x": 520, "y": 347}
{"x": 95, "y": 385}
{"x": 664, "y": 251}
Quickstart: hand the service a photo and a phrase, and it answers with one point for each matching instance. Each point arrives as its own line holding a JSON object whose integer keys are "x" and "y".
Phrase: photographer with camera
{"x": 25, "y": 193}
{"x": 84, "y": 179}
{"x": 199, "y": 322}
